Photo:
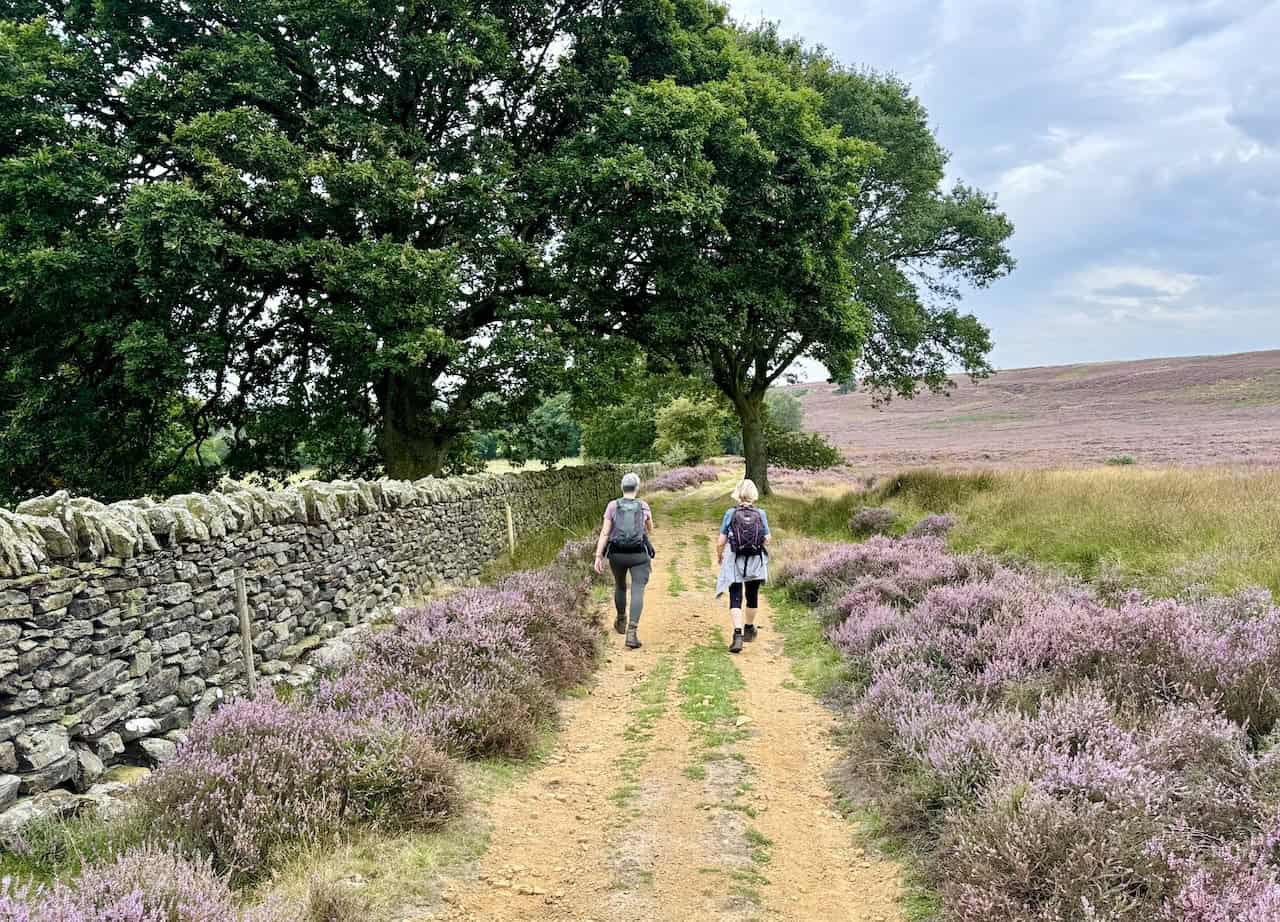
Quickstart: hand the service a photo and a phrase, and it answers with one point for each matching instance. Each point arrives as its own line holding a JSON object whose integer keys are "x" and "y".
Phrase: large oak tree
{"x": 278, "y": 222}
{"x": 792, "y": 209}
{"x": 712, "y": 224}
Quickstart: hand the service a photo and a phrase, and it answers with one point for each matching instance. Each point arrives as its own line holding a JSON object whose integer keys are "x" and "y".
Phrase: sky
{"x": 1135, "y": 144}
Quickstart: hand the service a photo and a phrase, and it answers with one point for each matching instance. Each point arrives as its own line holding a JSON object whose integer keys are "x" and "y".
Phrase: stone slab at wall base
{"x": 118, "y": 623}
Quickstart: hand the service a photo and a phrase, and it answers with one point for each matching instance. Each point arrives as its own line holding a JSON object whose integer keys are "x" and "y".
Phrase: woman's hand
{"x": 599, "y": 564}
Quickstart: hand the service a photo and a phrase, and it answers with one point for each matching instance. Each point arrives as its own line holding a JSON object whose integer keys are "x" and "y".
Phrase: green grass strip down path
{"x": 650, "y": 705}
{"x": 707, "y": 699}
{"x": 706, "y": 691}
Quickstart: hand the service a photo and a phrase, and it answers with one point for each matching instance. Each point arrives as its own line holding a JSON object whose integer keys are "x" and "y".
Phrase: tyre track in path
{"x": 677, "y": 791}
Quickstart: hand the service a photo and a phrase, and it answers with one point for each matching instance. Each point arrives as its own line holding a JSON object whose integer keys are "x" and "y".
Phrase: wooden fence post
{"x": 511, "y": 529}
{"x": 246, "y": 634}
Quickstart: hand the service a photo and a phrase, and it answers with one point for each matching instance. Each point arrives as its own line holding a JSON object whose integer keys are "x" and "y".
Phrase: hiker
{"x": 624, "y": 542}
{"x": 744, "y": 532}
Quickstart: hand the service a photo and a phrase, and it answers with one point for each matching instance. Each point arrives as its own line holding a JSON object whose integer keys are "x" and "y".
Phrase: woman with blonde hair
{"x": 744, "y": 534}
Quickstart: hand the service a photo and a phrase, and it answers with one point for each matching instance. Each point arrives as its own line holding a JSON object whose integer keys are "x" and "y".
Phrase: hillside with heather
{"x": 1201, "y": 410}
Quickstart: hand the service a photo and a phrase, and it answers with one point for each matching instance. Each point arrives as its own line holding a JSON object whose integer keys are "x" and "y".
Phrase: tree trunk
{"x": 411, "y": 442}
{"x": 751, "y": 414}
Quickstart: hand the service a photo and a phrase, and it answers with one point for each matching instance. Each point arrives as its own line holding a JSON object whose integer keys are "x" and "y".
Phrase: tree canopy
{"x": 278, "y": 220}
{"x": 915, "y": 245}
{"x": 712, "y": 223}
{"x": 549, "y": 434}
{"x": 234, "y": 230}
{"x": 792, "y": 208}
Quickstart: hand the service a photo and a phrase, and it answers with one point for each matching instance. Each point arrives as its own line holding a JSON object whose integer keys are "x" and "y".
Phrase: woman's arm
{"x": 721, "y": 540}
{"x": 601, "y": 542}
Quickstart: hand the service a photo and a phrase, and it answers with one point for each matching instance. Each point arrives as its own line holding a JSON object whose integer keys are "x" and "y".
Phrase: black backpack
{"x": 746, "y": 534}
{"x": 628, "y": 534}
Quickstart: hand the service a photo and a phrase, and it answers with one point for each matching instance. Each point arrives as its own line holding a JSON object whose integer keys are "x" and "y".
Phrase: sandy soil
{"x": 640, "y": 824}
{"x": 1206, "y": 410}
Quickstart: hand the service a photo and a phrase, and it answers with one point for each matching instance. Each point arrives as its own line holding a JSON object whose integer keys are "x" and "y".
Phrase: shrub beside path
{"x": 684, "y": 785}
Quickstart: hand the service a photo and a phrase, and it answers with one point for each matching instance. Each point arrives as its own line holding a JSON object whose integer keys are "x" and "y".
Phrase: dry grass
{"x": 401, "y": 876}
{"x": 1163, "y": 529}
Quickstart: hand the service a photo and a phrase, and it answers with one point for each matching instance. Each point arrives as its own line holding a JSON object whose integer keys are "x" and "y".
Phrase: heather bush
{"x": 873, "y": 520}
{"x": 1061, "y": 757}
{"x": 1240, "y": 884}
{"x": 913, "y": 564}
{"x": 682, "y": 478}
{"x": 143, "y": 885}
{"x": 260, "y": 775}
{"x": 1034, "y": 856}
{"x": 457, "y": 671}
{"x": 933, "y": 526}
{"x": 555, "y": 612}
{"x": 577, "y": 557}
{"x": 1152, "y": 651}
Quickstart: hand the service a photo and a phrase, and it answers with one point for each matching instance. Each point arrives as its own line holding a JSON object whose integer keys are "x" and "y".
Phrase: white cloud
{"x": 1095, "y": 283}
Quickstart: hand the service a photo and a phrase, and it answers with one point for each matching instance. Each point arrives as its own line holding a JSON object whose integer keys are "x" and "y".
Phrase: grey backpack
{"x": 628, "y": 532}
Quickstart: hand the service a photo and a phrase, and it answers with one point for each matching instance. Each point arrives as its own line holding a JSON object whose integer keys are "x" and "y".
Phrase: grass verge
{"x": 57, "y": 849}
{"x": 387, "y": 876}
{"x": 1164, "y": 530}
{"x": 818, "y": 667}
{"x": 675, "y": 584}
{"x": 707, "y": 690}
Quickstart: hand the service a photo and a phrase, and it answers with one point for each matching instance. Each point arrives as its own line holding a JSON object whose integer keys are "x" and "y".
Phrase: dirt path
{"x": 686, "y": 785}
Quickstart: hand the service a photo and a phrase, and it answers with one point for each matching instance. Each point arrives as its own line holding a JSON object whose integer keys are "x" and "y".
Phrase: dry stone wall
{"x": 119, "y": 625}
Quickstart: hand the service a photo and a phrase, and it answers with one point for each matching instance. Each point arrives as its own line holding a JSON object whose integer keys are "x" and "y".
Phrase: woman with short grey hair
{"x": 624, "y": 542}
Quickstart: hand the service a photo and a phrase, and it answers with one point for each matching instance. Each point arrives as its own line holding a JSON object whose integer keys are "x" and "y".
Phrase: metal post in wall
{"x": 246, "y": 634}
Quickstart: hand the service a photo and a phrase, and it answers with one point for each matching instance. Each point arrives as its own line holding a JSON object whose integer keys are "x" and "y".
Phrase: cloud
{"x": 1117, "y": 295}
{"x": 1134, "y": 143}
{"x": 1108, "y": 282}
{"x": 1255, "y": 109}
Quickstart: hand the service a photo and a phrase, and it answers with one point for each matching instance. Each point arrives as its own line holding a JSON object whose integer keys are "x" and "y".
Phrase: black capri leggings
{"x": 753, "y": 594}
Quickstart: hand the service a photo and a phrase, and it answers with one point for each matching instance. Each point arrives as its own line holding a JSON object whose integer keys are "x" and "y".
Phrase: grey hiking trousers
{"x": 638, "y": 565}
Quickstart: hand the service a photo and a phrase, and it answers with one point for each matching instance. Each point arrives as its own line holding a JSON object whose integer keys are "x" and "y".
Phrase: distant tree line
{"x": 236, "y": 234}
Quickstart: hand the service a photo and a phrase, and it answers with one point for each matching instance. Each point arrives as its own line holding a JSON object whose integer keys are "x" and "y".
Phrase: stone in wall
{"x": 118, "y": 623}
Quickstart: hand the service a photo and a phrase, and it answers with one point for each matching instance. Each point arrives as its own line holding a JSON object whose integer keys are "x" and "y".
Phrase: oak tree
{"x": 272, "y": 222}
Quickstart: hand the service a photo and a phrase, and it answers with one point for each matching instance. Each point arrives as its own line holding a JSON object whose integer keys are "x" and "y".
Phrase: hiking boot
{"x": 736, "y": 646}
{"x": 620, "y": 624}
{"x": 633, "y": 642}
{"x": 749, "y": 633}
